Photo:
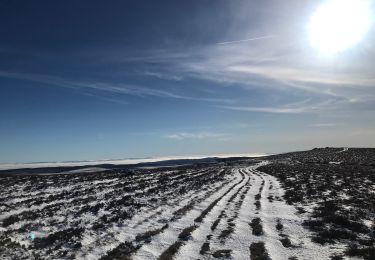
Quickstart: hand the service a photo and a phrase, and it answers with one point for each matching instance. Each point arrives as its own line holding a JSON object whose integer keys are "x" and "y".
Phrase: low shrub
{"x": 256, "y": 226}
{"x": 286, "y": 242}
{"x": 279, "y": 226}
{"x": 205, "y": 248}
{"x": 222, "y": 253}
{"x": 185, "y": 235}
{"x": 171, "y": 251}
{"x": 258, "y": 251}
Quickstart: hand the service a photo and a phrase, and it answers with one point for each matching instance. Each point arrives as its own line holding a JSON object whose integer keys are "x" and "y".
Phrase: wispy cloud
{"x": 246, "y": 68}
{"x": 304, "y": 106}
{"x": 265, "y": 63}
{"x": 160, "y": 75}
{"x": 269, "y": 109}
{"x": 323, "y": 125}
{"x": 199, "y": 135}
{"x": 275, "y": 64}
{"x": 300, "y": 75}
{"x": 112, "y": 88}
{"x": 246, "y": 40}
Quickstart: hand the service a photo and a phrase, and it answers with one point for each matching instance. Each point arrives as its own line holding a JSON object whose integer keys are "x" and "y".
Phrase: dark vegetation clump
{"x": 300, "y": 210}
{"x": 222, "y": 253}
{"x": 185, "y": 235}
{"x": 258, "y": 251}
{"x": 279, "y": 225}
{"x": 226, "y": 232}
{"x": 59, "y": 238}
{"x": 256, "y": 226}
{"x": 171, "y": 251}
{"x": 10, "y": 220}
{"x": 286, "y": 242}
{"x": 123, "y": 251}
{"x": 367, "y": 253}
{"x": 182, "y": 211}
{"x": 215, "y": 224}
{"x": 332, "y": 235}
{"x": 257, "y": 204}
{"x": 205, "y": 248}
{"x": 147, "y": 236}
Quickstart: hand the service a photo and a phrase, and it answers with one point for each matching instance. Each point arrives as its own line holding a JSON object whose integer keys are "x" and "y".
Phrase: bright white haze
{"x": 339, "y": 24}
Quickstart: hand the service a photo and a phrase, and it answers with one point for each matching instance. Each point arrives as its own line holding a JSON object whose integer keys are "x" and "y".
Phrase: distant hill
{"x": 110, "y": 167}
{"x": 364, "y": 156}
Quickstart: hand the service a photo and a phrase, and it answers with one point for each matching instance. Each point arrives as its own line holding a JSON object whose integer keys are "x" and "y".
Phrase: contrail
{"x": 247, "y": 40}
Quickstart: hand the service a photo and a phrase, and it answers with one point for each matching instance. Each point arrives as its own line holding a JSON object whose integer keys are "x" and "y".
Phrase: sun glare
{"x": 339, "y": 24}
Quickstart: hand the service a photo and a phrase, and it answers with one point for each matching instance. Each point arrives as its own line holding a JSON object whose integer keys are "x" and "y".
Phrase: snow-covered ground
{"x": 241, "y": 237}
{"x": 195, "y": 212}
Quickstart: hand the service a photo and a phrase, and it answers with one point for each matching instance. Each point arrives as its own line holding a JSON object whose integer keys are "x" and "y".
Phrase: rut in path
{"x": 189, "y": 221}
{"x": 185, "y": 235}
{"x": 227, "y": 213}
{"x": 221, "y": 229}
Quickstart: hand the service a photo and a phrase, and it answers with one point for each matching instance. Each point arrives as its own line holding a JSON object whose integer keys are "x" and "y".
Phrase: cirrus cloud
{"x": 199, "y": 135}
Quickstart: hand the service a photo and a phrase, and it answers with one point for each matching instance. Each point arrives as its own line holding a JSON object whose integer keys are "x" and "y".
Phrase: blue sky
{"x": 85, "y": 80}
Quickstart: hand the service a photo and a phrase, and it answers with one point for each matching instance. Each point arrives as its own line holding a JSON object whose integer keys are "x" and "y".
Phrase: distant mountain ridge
{"x": 110, "y": 166}
{"x": 364, "y": 156}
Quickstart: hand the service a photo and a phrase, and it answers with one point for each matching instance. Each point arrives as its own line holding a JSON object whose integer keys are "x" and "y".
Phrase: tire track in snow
{"x": 202, "y": 234}
{"x": 195, "y": 233}
{"x": 168, "y": 240}
{"x": 241, "y": 238}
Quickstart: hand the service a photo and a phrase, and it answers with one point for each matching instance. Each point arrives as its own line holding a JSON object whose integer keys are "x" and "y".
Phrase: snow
{"x": 243, "y": 182}
{"x": 242, "y": 237}
{"x": 163, "y": 241}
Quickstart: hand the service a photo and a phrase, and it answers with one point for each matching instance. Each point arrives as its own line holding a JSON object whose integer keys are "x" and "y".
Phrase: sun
{"x": 339, "y": 24}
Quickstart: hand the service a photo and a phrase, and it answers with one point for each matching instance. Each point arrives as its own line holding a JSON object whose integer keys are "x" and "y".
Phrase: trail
{"x": 231, "y": 236}
{"x": 169, "y": 236}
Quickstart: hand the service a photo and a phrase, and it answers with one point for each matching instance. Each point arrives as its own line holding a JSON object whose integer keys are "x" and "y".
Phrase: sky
{"x": 89, "y": 80}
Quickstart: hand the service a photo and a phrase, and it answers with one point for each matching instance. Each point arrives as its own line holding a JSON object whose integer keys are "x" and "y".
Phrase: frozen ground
{"x": 229, "y": 210}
